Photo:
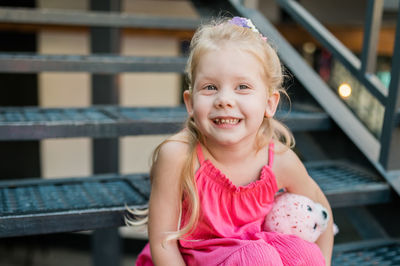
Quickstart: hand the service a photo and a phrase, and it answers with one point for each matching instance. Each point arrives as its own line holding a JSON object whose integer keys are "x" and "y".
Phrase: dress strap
{"x": 200, "y": 155}
{"x": 270, "y": 154}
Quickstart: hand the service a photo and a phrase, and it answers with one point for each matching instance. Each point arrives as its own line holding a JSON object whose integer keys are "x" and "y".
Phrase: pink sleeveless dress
{"x": 229, "y": 230}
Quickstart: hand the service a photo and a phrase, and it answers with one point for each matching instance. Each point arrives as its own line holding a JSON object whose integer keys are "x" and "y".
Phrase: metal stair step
{"x": 366, "y": 253}
{"x": 33, "y": 123}
{"x": 110, "y": 64}
{"x": 345, "y": 184}
{"x": 94, "y": 19}
{"x": 38, "y": 206}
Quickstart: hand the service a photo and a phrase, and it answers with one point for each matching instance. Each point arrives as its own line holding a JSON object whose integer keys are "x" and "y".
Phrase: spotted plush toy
{"x": 297, "y": 215}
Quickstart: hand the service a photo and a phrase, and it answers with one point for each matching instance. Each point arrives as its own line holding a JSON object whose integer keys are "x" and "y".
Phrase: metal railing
{"x": 382, "y": 149}
{"x": 363, "y": 70}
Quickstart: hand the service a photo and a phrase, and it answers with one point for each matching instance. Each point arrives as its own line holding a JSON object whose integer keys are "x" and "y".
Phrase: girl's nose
{"x": 224, "y": 100}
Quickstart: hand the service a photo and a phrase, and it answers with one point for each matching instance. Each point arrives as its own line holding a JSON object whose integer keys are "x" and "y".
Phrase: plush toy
{"x": 297, "y": 215}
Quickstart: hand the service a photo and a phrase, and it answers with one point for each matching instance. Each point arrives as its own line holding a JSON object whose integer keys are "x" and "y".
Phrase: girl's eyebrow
{"x": 204, "y": 80}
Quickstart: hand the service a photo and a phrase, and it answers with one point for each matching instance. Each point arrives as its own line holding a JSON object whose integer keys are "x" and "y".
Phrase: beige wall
{"x": 64, "y": 157}
{"x": 72, "y": 157}
{"x": 174, "y": 8}
{"x": 146, "y": 89}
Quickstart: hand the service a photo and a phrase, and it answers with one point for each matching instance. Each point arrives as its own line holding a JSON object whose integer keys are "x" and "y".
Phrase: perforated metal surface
{"x": 337, "y": 175}
{"x": 377, "y": 255}
{"x": 335, "y": 178}
{"x": 113, "y": 121}
{"x": 72, "y": 195}
{"x": 345, "y": 184}
{"x": 15, "y": 116}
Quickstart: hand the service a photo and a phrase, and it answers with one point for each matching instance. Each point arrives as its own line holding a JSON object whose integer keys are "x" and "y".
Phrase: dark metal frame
{"x": 94, "y": 19}
{"x": 341, "y": 52}
{"x": 371, "y": 36}
{"x": 389, "y": 143}
{"x": 390, "y": 139}
{"x": 106, "y": 242}
{"x": 105, "y": 63}
{"x": 103, "y": 121}
{"x": 306, "y": 75}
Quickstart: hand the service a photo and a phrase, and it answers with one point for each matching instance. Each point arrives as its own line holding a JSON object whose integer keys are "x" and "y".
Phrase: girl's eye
{"x": 210, "y": 87}
{"x": 243, "y": 87}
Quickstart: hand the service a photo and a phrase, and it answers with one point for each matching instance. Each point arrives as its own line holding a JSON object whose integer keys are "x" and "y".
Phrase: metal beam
{"x": 339, "y": 112}
{"x": 94, "y": 19}
{"x": 112, "y": 121}
{"x": 106, "y": 243}
{"x": 341, "y": 52}
{"x": 397, "y": 119}
{"x": 390, "y": 137}
{"x": 371, "y": 35}
{"x": 33, "y": 63}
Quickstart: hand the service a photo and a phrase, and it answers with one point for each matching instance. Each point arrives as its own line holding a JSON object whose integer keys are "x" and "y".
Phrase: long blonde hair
{"x": 207, "y": 38}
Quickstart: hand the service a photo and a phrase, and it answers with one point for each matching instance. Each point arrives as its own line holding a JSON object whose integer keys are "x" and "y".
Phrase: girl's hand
{"x": 292, "y": 175}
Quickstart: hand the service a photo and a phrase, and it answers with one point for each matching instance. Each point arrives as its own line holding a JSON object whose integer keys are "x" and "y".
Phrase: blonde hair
{"x": 211, "y": 37}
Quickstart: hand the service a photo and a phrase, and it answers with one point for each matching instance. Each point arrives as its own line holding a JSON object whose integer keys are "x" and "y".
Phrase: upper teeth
{"x": 226, "y": 121}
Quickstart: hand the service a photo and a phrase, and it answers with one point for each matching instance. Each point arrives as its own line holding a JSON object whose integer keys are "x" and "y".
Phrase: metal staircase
{"x": 38, "y": 206}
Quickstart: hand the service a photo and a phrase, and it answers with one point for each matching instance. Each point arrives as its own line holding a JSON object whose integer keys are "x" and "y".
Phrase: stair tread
{"x": 90, "y": 202}
{"x": 40, "y": 196}
{"x": 43, "y": 206}
{"x": 346, "y": 184}
{"x": 17, "y": 123}
{"x": 377, "y": 252}
{"x": 94, "y": 19}
{"x": 104, "y": 63}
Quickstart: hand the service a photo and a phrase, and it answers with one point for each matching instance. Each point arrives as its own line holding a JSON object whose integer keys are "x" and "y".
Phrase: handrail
{"x": 363, "y": 70}
{"x": 390, "y": 136}
{"x": 371, "y": 35}
{"x": 341, "y": 52}
{"x": 338, "y": 110}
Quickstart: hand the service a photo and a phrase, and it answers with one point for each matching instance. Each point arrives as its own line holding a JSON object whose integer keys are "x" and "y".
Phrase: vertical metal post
{"x": 106, "y": 247}
{"x": 390, "y": 138}
{"x": 106, "y": 243}
{"x": 372, "y": 27}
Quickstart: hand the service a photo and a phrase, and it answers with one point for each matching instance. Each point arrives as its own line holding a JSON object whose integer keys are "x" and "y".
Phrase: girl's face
{"x": 230, "y": 96}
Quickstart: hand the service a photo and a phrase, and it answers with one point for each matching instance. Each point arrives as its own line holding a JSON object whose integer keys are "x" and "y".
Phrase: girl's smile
{"x": 226, "y": 122}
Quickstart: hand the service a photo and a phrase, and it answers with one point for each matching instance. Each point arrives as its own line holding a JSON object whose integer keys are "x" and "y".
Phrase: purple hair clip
{"x": 246, "y": 23}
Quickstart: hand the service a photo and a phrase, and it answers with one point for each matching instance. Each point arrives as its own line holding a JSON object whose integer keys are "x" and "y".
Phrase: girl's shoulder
{"x": 287, "y": 165}
{"x": 173, "y": 151}
{"x": 282, "y": 154}
{"x": 168, "y": 162}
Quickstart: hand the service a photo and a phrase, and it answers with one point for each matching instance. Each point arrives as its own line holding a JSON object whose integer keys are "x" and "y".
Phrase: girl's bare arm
{"x": 164, "y": 203}
{"x": 292, "y": 175}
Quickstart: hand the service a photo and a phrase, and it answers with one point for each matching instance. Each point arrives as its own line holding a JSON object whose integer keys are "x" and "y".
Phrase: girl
{"x": 214, "y": 182}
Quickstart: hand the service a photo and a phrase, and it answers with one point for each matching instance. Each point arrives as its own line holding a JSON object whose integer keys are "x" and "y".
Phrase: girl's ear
{"x": 187, "y": 98}
{"x": 272, "y": 104}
